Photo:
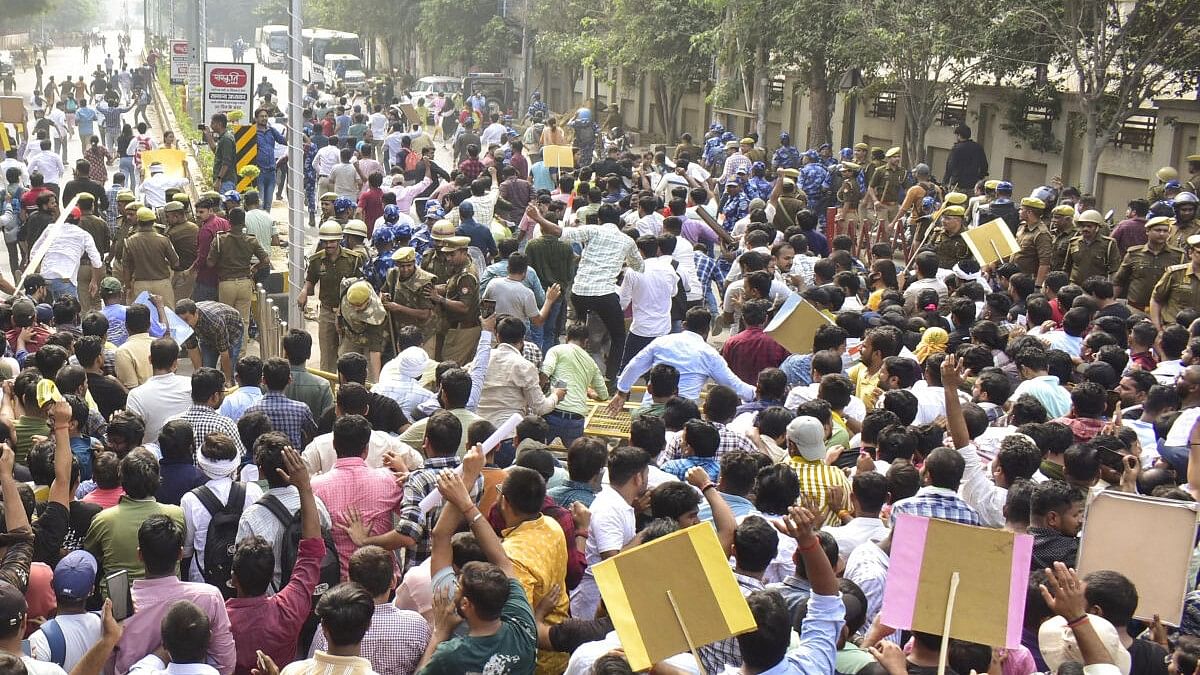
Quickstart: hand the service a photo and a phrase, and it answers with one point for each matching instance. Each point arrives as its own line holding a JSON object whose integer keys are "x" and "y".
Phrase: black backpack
{"x": 330, "y": 568}
{"x": 221, "y": 540}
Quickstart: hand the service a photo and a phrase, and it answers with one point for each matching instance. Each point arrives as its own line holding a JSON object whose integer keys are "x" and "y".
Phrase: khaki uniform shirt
{"x": 1179, "y": 235}
{"x": 230, "y": 254}
{"x": 869, "y": 169}
{"x": 1035, "y": 247}
{"x": 124, "y": 230}
{"x": 1177, "y": 290}
{"x": 410, "y": 293}
{"x": 1141, "y": 269}
{"x": 1193, "y": 184}
{"x": 184, "y": 237}
{"x": 1062, "y": 240}
{"x": 329, "y": 273}
{"x": 436, "y": 264}
{"x": 461, "y": 287}
{"x": 887, "y": 182}
{"x": 148, "y": 256}
{"x": 950, "y": 249}
{"x": 1100, "y": 258}
{"x": 95, "y": 226}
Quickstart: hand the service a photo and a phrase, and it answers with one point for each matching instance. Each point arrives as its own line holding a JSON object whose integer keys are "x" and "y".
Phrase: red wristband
{"x": 809, "y": 546}
{"x": 1077, "y": 622}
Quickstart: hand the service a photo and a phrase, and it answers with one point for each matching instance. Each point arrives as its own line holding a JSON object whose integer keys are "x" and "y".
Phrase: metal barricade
{"x": 271, "y": 327}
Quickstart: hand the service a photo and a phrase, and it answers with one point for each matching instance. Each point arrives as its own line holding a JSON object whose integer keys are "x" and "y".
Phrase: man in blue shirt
{"x": 700, "y": 441}
{"x": 479, "y": 234}
{"x": 85, "y": 118}
{"x": 266, "y": 137}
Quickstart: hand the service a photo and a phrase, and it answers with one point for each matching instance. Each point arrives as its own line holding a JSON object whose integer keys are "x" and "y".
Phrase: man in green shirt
{"x": 570, "y": 366}
{"x": 113, "y": 534}
{"x": 554, "y": 261}
{"x": 502, "y": 635}
{"x": 305, "y": 387}
{"x": 224, "y": 147}
{"x": 33, "y": 421}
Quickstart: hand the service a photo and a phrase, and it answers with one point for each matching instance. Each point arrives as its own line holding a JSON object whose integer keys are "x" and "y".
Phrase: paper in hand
{"x": 434, "y": 499}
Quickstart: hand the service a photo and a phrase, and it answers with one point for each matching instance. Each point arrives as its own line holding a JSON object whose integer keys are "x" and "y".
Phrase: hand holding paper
{"x": 434, "y": 499}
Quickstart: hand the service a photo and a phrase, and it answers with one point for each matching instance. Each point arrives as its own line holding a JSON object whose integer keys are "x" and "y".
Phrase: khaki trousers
{"x": 456, "y": 344}
{"x": 87, "y": 301}
{"x": 156, "y": 287}
{"x": 327, "y": 336}
{"x": 184, "y": 283}
{"x": 237, "y": 293}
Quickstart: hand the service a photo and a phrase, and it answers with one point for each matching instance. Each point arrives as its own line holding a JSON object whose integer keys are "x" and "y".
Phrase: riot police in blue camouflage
{"x": 586, "y": 132}
{"x": 734, "y": 203}
{"x": 757, "y": 186}
{"x": 787, "y": 156}
{"x": 814, "y": 181}
{"x": 383, "y": 240}
{"x": 537, "y": 105}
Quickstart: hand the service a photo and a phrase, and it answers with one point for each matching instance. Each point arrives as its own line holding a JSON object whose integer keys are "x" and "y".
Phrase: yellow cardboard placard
{"x": 1116, "y": 537}
{"x": 560, "y": 156}
{"x": 795, "y": 325}
{"x": 172, "y": 161}
{"x": 991, "y": 241}
{"x": 690, "y": 564}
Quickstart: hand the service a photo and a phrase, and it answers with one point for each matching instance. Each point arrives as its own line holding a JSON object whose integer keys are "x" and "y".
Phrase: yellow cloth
{"x": 933, "y": 341}
{"x": 866, "y": 383}
{"x": 816, "y": 477}
{"x": 539, "y": 557}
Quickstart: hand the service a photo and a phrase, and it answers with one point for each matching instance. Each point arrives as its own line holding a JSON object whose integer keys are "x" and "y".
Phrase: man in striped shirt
{"x": 806, "y": 445}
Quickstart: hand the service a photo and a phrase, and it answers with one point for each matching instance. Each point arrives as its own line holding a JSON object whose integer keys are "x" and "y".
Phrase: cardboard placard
{"x": 993, "y": 576}
{"x": 991, "y": 241}
{"x": 795, "y": 325}
{"x": 1118, "y": 531}
{"x": 690, "y": 565}
{"x": 12, "y": 110}
{"x": 172, "y": 161}
{"x": 410, "y": 114}
{"x": 558, "y": 156}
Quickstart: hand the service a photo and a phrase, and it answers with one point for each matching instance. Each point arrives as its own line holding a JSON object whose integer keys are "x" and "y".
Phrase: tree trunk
{"x": 1095, "y": 148}
{"x": 820, "y": 104}
{"x": 762, "y": 92}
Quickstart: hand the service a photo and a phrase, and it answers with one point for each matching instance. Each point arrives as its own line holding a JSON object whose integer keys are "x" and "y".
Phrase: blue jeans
{"x": 210, "y": 358}
{"x": 228, "y": 185}
{"x": 564, "y": 426}
{"x": 549, "y": 336}
{"x": 127, "y": 168}
{"x": 266, "y": 186}
{"x": 61, "y": 287}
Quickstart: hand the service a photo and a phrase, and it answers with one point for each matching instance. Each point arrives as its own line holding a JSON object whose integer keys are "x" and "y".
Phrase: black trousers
{"x": 608, "y": 308}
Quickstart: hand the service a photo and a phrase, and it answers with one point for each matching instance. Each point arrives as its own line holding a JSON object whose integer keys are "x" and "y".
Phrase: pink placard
{"x": 904, "y": 570}
{"x": 1017, "y": 587}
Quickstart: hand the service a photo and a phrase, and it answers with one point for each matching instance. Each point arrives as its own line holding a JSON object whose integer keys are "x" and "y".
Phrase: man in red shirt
{"x": 210, "y": 225}
{"x": 370, "y": 202}
{"x": 751, "y": 350}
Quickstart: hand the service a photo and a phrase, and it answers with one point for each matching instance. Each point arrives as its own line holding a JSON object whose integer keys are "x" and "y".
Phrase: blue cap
{"x": 391, "y": 213}
{"x": 403, "y": 230}
{"x": 1172, "y": 185}
{"x": 1004, "y": 186}
{"x": 343, "y": 204}
{"x": 928, "y": 203}
{"x": 811, "y": 154}
{"x": 75, "y": 575}
{"x": 716, "y": 126}
{"x": 434, "y": 211}
{"x": 232, "y": 196}
{"x": 785, "y": 137}
{"x": 727, "y": 136}
{"x": 759, "y": 166}
{"x": 823, "y": 146}
{"x": 383, "y": 235}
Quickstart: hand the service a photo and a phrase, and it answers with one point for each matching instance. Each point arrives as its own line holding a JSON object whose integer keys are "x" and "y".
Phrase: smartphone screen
{"x": 120, "y": 594}
{"x": 487, "y": 308}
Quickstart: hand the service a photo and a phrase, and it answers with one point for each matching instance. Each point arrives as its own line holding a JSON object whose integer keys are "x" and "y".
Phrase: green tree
{"x": 468, "y": 31}
{"x": 1122, "y": 54}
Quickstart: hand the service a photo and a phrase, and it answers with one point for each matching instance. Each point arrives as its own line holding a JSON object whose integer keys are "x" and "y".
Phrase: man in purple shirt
{"x": 160, "y": 543}
{"x": 1132, "y": 231}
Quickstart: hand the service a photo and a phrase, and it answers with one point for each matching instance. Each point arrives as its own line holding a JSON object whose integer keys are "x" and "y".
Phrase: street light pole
{"x": 295, "y": 184}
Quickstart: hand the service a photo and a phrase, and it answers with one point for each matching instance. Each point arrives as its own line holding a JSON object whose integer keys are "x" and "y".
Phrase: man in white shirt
{"x": 927, "y": 267}
{"x": 649, "y": 292}
{"x": 493, "y": 133}
{"x": 64, "y": 245}
{"x": 613, "y": 521}
{"x": 74, "y": 577}
{"x": 326, "y": 158}
{"x": 868, "y": 494}
{"x": 165, "y": 394}
{"x": 11, "y": 162}
{"x": 319, "y": 456}
{"x": 483, "y": 198}
{"x": 377, "y": 122}
{"x": 154, "y": 189}
{"x": 58, "y": 117}
{"x": 47, "y": 163}
{"x": 931, "y": 397}
{"x": 648, "y": 220}
{"x": 219, "y": 460}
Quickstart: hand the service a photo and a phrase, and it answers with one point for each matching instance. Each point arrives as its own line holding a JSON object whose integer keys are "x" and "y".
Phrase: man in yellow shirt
{"x": 806, "y": 446}
{"x": 878, "y": 344}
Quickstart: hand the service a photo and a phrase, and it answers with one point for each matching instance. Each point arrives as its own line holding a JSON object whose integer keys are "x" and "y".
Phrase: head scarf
{"x": 933, "y": 341}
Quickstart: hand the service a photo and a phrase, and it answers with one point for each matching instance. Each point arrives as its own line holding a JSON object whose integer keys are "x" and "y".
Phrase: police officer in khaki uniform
{"x": 94, "y": 225}
{"x": 1089, "y": 254}
{"x": 230, "y": 254}
{"x": 1193, "y": 182}
{"x": 406, "y": 292}
{"x": 1144, "y": 265}
{"x": 1034, "y": 241}
{"x": 148, "y": 259}
{"x": 1186, "y": 224}
{"x": 947, "y": 240}
{"x": 363, "y": 325}
{"x": 885, "y": 186}
{"x": 443, "y": 230}
{"x": 1179, "y": 287}
{"x": 354, "y": 236}
{"x": 183, "y": 234}
{"x": 328, "y": 267}
{"x": 327, "y": 201}
{"x": 457, "y": 306}
{"x": 127, "y": 206}
{"x": 1062, "y": 226}
{"x": 849, "y": 214}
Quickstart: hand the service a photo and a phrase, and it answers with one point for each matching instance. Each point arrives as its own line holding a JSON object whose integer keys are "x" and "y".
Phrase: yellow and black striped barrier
{"x": 246, "y": 140}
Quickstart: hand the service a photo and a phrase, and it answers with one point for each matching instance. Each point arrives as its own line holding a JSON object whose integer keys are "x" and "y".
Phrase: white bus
{"x": 272, "y": 45}
{"x": 320, "y": 43}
